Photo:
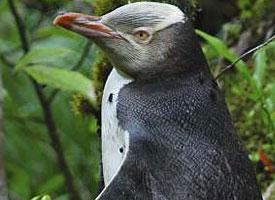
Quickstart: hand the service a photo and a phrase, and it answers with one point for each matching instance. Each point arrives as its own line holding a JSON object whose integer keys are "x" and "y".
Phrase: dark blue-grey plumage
{"x": 182, "y": 144}
{"x": 167, "y": 133}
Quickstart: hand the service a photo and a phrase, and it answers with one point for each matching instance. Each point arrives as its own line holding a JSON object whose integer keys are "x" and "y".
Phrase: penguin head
{"x": 142, "y": 40}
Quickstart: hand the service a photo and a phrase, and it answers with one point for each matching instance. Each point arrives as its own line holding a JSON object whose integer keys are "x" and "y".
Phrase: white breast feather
{"x": 113, "y": 137}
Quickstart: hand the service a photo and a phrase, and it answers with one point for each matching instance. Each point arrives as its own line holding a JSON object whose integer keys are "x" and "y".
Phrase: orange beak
{"x": 86, "y": 25}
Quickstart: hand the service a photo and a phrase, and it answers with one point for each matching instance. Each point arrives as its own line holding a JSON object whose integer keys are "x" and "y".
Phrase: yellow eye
{"x": 142, "y": 35}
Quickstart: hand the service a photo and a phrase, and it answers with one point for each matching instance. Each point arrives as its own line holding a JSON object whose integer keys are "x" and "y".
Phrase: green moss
{"x": 100, "y": 71}
{"x": 81, "y": 106}
{"x": 104, "y": 6}
{"x": 253, "y": 12}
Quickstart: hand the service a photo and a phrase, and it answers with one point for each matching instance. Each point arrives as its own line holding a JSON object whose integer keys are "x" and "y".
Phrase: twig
{"x": 53, "y": 95}
{"x": 20, "y": 27}
{"x": 244, "y": 55}
{"x": 84, "y": 54}
{"x": 47, "y": 114}
{"x": 19, "y": 48}
{"x": 55, "y": 142}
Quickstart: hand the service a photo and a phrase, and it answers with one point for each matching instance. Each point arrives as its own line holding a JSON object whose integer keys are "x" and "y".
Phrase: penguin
{"x": 166, "y": 130}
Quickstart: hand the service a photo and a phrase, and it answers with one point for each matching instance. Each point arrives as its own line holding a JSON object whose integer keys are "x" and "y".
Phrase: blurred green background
{"x": 51, "y": 134}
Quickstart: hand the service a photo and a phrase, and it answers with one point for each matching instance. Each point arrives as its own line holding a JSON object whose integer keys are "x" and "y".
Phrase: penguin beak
{"x": 86, "y": 25}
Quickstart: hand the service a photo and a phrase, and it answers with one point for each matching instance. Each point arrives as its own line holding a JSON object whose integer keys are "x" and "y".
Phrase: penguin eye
{"x": 142, "y": 35}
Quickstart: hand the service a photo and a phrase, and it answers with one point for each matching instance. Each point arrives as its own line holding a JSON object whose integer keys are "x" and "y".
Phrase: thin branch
{"x": 19, "y": 48}
{"x": 244, "y": 55}
{"x": 53, "y": 95}
{"x": 84, "y": 54}
{"x": 76, "y": 67}
{"x": 55, "y": 142}
{"x": 20, "y": 27}
{"x": 47, "y": 114}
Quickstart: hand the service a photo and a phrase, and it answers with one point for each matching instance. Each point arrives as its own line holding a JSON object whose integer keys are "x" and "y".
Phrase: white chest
{"x": 114, "y": 139}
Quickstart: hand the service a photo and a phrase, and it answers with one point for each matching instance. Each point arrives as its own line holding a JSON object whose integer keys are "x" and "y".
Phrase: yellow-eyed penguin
{"x": 166, "y": 130}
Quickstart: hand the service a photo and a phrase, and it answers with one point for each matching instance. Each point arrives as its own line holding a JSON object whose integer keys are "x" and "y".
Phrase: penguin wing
{"x": 155, "y": 168}
{"x": 179, "y": 148}
{"x": 134, "y": 178}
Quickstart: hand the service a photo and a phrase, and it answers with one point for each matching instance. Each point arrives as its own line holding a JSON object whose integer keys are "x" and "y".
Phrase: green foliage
{"x": 100, "y": 70}
{"x": 44, "y": 197}
{"x": 250, "y": 94}
{"x": 62, "y": 79}
{"x": 104, "y": 6}
{"x": 43, "y": 55}
{"x": 224, "y": 51}
{"x": 221, "y": 49}
{"x": 81, "y": 105}
{"x": 256, "y": 10}
{"x": 31, "y": 160}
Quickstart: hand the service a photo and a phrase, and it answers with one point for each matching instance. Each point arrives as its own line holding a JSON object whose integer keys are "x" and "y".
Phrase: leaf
{"x": 42, "y": 197}
{"x": 6, "y": 45}
{"x": 19, "y": 180}
{"x": 46, "y": 197}
{"x": 270, "y": 100}
{"x": 42, "y": 56}
{"x": 229, "y": 55}
{"x": 62, "y": 79}
{"x": 52, "y": 184}
{"x": 36, "y": 197}
{"x": 254, "y": 156}
{"x": 260, "y": 66}
{"x": 49, "y": 31}
{"x": 221, "y": 48}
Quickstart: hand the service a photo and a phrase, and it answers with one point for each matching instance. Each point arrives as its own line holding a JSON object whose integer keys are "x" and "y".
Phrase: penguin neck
{"x": 185, "y": 57}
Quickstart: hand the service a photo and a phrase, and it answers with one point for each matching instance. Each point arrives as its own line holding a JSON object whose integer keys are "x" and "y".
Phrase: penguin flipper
{"x": 134, "y": 179}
